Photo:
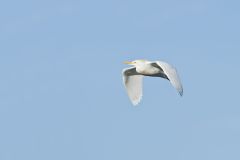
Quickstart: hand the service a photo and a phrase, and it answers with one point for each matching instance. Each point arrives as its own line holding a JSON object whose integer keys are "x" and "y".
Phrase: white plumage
{"x": 133, "y": 77}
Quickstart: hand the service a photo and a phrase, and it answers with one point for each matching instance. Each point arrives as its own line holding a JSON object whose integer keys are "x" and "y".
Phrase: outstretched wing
{"x": 133, "y": 84}
{"x": 172, "y": 75}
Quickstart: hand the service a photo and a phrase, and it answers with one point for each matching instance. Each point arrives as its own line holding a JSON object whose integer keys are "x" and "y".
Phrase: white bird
{"x": 132, "y": 77}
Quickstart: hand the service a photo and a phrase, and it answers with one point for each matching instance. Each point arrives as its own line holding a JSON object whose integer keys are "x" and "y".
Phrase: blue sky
{"x": 61, "y": 92}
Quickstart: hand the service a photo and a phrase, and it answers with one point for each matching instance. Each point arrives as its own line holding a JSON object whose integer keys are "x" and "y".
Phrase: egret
{"x": 133, "y": 76}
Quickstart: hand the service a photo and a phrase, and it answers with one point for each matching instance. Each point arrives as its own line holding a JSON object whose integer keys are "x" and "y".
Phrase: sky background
{"x": 61, "y": 91}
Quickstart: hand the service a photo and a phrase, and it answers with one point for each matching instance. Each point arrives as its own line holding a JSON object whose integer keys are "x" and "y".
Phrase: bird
{"x": 133, "y": 77}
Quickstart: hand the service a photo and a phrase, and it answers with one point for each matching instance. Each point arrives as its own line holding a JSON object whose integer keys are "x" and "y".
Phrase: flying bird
{"x": 133, "y": 76}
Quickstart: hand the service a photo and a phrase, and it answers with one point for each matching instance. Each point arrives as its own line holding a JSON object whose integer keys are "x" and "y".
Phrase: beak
{"x": 127, "y": 62}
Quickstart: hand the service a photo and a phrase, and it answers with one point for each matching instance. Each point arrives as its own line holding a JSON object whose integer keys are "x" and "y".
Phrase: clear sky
{"x": 61, "y": 91}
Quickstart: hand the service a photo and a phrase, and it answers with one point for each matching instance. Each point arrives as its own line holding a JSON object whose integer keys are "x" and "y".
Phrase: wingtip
{"x": 181, "y": 93}
{"x": 136, "y": 102}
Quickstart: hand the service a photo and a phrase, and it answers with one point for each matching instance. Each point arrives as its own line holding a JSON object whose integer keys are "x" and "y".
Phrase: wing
{"x": 133, "y": 84}
{"x": 172, "y": 75}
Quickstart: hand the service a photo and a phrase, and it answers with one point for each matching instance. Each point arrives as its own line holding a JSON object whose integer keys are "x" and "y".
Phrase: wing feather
{"x": 133, "y": 84}
{"x": 172, "y": 75}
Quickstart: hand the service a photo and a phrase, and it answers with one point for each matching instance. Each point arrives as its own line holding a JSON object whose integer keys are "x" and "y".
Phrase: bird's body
{"x": 133, "y": 77}
{"x": 148, "y": 69}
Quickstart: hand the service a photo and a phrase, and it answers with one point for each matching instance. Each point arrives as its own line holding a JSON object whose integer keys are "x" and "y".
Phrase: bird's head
{"x": 136, "y": 62}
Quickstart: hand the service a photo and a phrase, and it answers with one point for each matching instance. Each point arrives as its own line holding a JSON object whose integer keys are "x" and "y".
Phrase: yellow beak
{"x": 127, "y": 62}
